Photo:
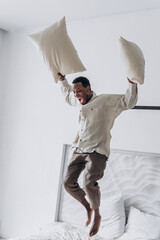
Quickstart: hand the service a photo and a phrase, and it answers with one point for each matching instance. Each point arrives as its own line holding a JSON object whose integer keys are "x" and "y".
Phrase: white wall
{"x": 1, "y": 38}
{"x": 2, "y": 32}
{"x": 35, "y": 121}
{"x": 32, "y": 123}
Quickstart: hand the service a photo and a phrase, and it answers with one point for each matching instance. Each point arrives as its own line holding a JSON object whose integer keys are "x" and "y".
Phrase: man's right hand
{"x": 61, "y": 77}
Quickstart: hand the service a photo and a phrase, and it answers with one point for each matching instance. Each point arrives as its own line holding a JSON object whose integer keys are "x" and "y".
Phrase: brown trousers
{"x": 93, "y": 165}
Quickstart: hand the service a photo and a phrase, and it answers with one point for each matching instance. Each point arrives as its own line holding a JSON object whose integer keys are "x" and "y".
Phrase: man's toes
{"x": 89, "y": 217}
{"x": 93, "y": 233}
{"x": 87, "y": 223}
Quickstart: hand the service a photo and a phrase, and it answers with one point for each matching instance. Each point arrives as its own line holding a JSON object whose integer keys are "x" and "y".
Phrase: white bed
{"x": 130, "y": 205}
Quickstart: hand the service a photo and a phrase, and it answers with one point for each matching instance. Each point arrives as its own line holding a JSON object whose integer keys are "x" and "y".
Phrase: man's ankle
{"x": 97, "y": 213}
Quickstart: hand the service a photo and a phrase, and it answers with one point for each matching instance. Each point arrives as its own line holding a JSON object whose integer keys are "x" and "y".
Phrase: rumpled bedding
{"x": 65, "y": 231}
{"x": 62, "y": 231}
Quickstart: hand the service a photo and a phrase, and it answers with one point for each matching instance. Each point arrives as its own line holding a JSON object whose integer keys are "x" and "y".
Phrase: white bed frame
{"x": 135, "y": 175}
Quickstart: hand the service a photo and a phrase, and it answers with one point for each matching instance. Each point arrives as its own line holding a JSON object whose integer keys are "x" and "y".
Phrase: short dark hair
{"x": 85, "y": 82}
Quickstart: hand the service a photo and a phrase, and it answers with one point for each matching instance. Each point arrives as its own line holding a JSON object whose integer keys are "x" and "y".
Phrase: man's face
{"x": 83, "y": 94}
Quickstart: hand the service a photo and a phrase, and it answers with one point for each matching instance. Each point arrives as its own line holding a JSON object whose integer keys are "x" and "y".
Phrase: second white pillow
{"x": 141, "y": 226}
{"x": 133, "y": 60}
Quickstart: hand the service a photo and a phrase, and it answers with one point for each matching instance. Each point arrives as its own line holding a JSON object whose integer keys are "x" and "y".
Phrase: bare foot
{"x": 89, "y": 213}
{"x": 95, "y": 225}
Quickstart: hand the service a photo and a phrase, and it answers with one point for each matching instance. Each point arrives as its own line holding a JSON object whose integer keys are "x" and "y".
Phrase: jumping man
{"x": 92, "y": 143}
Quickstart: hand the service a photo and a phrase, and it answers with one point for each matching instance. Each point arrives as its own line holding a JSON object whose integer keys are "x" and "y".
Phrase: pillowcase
{"x": 113, "y": 217}
{"x": 57, "y": 49}
{"x": 133, "y": 60}
{"x": 141, "y": 225}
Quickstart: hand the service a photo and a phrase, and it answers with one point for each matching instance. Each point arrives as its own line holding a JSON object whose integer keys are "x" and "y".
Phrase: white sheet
{"x": 62, "y": 231}
{"x": 65, "y": 231}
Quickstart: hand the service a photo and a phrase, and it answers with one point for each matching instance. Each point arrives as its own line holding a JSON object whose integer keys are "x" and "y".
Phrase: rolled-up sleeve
{"x": 67, "y": 92}
{"x": 128, "y": 100}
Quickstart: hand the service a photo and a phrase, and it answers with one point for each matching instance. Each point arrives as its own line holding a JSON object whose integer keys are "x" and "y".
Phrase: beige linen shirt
{"x": 96, "y": 118}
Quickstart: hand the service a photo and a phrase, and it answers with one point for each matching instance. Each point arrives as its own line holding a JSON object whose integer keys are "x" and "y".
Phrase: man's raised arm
{"x": 67, "y": 90}
{"x": 128, "y": 100}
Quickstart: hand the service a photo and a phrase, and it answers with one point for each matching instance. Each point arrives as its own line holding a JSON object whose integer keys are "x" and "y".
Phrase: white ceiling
{"x": 18, "y": 15}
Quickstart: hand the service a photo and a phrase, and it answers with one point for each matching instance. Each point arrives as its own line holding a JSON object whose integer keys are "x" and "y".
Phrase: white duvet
{"x": 62, "y": 231}
{"x": 65, "y": 231}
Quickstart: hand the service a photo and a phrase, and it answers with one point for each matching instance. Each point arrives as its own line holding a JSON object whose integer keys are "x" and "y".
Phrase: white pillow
{"x": 133, "y": 60}
{"x": 142, "y": 226}
{"x": 113, "y": 217}
{"x": 58, "y": 50}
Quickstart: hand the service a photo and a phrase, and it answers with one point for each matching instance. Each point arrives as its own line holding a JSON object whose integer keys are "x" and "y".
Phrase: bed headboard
{"x": 135, "y": 175}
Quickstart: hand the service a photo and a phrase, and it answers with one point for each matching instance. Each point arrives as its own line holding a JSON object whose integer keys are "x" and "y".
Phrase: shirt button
{"x": 91, "y": 108}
